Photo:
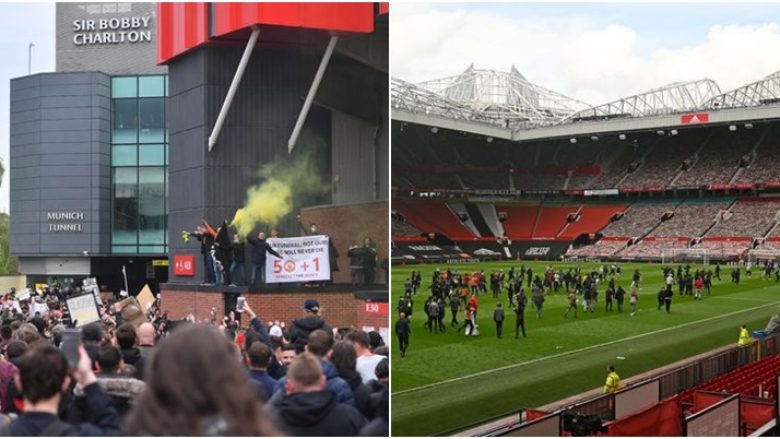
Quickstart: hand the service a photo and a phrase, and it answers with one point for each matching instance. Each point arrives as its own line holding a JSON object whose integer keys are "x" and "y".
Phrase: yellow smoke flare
{"x": 265, "y": 204}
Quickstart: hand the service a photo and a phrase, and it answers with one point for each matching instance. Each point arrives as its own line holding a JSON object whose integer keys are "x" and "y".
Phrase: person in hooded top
{"x": 310, "y": 322}
{"x": 308, "y": 409}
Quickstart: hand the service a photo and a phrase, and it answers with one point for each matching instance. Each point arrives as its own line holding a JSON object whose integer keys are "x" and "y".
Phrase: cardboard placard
{"x": 145, "y": 298}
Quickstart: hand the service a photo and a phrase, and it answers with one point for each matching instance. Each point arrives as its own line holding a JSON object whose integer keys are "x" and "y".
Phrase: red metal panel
{"x": 384, "y": 8}
{"x": 342, "y": 17}
{"x": 180, "y": 27}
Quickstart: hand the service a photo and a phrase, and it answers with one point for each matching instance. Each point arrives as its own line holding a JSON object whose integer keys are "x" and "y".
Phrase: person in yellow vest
{"x": 613, "y": 380}
{"x": 744, "y": 337}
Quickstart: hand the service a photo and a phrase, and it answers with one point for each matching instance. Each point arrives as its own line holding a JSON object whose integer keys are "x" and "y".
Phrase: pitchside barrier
{"x": 642, "y": 395}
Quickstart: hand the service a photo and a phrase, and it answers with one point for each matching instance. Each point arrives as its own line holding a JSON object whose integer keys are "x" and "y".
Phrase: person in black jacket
{"x": 259, "y": 249}
{"x": 355, "y": 255}
{"x": 206, "y": 242}
{"x": 303, "y": 326}
{"x": 369, "y": 261}
{"x": 127, "y": 339}
{"x": 307, "y": 409}
{"x": 239, "y": 260}
{"x": 43, "y": 375}
{"x": 344, "y": 358}
{"x": 402, "y": 330}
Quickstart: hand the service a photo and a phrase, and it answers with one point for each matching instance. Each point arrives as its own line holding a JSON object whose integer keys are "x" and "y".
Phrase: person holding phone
{"x": 43, "y": 378}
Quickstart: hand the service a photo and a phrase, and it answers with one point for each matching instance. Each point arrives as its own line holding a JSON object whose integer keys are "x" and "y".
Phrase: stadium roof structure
{"x": 762, "y": 92}
{"x": 504, "y": 105}
{"x": 672, "y": 98}
{"x": 505, "y": 99}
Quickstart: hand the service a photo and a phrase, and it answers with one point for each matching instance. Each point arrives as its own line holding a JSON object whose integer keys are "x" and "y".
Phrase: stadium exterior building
{"x": 111, "y": 159}
{"x": 89, "y": 148}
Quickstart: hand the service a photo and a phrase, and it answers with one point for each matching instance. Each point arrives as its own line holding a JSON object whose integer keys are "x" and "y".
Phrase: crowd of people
{"x": 139, "y": 373}
{"x": 454, "y": 298}
{"x": 225, "y": 258}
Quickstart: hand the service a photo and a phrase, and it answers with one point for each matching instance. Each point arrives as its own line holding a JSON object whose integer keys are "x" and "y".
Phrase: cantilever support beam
{"x": 315, "y": 85}
{"x": 250, "y": 46}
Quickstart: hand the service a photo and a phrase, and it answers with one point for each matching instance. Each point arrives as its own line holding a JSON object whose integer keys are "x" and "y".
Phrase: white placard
{"x": 83, "y": 309}
{"x": 24, "y": 294}
{"x": 303, "y": 259}
{"x": 90, "y": 285}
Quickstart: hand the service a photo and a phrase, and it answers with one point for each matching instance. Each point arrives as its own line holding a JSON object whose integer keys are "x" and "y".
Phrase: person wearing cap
{"x": 303, "y": 326}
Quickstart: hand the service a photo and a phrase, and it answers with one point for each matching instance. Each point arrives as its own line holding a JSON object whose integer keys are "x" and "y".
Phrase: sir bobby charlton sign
{"x": 304, "y": 259}
{"x": 115, "y": 30}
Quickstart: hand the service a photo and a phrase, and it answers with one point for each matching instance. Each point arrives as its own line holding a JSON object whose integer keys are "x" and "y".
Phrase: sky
{"x": 593, "y": 52}
{"x": 21, "y": 24}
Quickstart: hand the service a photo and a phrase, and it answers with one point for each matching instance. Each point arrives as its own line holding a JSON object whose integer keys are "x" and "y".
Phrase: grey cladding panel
{"x": 60, "y": 163}
{"x": 119, "y": 58}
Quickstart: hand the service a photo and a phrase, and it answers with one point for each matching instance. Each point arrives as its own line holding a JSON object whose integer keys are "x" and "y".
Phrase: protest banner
{"x": 303, "y": 259}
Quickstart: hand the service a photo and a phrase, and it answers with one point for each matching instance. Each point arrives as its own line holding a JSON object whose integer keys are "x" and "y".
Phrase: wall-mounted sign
{"x": 65, "y": 221}
{"x": 115, "y": 30}
{"x": 184, "y": 265}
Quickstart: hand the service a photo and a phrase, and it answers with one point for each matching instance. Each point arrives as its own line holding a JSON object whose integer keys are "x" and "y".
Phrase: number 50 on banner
{"x": 289, "y": 266}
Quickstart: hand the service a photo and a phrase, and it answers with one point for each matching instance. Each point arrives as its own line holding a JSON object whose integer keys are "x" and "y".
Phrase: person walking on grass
{"x": 402, "y": 330}
{"x": 454, "y": 308}
{"x": 572, "y": 304}
{"x": 498, "y": 317}
{"x": 668, "y": 299}
{"x": 468, "y": 323}
{"x": 520, "y": 302}
{"x": 432, "y": 309}
{"x": 620, "y": 295}
{"x": 440, "y": 317}
{"x": 538, "y": 299}
{"x": 634, "y": 300}
{"x": 698, "y": 284}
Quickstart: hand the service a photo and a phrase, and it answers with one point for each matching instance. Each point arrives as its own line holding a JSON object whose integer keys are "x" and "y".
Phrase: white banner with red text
{"x": 304, "y": 259}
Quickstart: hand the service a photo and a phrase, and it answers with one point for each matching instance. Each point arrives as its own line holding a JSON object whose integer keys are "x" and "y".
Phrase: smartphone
{"x": 71, "y": 340}
{"x": 240, "y": 304}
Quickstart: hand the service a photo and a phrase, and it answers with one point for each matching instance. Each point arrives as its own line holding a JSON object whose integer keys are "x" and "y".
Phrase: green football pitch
{"x": 449, "y": 381}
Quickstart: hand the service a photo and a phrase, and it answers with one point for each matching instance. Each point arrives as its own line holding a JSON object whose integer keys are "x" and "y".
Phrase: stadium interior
{"x": 696, "y": 179}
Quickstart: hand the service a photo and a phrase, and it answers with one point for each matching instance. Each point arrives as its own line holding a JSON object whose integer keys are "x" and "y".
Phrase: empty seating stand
{"x": 433, "y": 216}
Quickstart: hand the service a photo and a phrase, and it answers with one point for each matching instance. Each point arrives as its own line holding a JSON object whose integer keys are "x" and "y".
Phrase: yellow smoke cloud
{"x": 286, "y": 180}
{"x": 266, "y": 204}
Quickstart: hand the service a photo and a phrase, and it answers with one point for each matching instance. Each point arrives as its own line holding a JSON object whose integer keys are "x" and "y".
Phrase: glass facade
{"x": 139, "y": 162}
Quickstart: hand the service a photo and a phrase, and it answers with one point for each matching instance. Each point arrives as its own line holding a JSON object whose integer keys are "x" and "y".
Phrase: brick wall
{"x": 348, "y": 223}
{"x": 340, "y": 309}
{"x": 368, "y": 319}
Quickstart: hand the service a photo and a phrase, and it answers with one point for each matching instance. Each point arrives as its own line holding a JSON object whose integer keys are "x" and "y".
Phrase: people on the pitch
{"x": 402, "y": 331}
{"x": 498, "y": 318}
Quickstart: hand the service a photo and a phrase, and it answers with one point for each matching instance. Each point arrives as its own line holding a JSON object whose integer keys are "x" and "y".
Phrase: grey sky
{"x": 20, "y": 24}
